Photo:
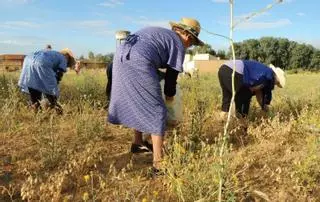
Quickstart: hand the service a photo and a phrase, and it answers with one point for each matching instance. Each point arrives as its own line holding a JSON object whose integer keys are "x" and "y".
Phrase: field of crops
{"x": 79, "y": 157}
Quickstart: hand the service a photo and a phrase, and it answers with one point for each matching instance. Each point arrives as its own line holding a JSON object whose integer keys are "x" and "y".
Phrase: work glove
{"x": 170, "y": 109}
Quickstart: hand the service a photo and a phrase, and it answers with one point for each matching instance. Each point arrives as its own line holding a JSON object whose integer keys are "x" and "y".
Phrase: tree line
{"x": 97, "y": 57}
{"x": 279, "y": 51}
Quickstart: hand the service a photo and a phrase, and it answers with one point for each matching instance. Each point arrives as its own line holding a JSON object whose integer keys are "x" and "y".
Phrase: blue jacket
{"x": 256, "y": 73}
{"x": 40, "y": 70}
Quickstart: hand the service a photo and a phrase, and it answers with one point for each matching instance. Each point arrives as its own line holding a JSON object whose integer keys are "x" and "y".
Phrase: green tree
{"x": 99, "y": 58}
{"x": 269, "y": 46}
{"x": 189, "y": 51}
{"x": 292, "y": 46}
{"x": 279, "y": 51}
{"x": 206, "y": 48}
{"x": 252, "y": 49}
{"x": 91, "y": 55}
{"x": 283, "y": 53}
{"x": 315, "y": 60}
{"x": 221, "y": 54}
{"x": 301, "y": 56}
{"x": 241, "y": 51}
{"x": 109, "y": 57}
{"x": 237, "y": 50}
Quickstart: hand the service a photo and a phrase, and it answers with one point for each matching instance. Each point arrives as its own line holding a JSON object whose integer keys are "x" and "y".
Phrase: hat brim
{"x": 279, "y": 76}
{"x": 197, "y": 41}
{"x": 72, "y": 60}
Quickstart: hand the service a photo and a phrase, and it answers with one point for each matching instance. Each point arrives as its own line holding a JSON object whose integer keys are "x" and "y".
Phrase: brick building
{"x": 11, "y": 62}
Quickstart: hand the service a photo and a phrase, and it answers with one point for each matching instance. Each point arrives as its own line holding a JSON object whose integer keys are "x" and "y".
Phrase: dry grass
{"x": 78, "y": 157}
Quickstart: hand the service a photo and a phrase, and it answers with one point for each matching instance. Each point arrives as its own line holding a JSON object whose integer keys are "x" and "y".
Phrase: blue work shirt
{"x": 256, "y": 73}
{"x": 39, "y": 71}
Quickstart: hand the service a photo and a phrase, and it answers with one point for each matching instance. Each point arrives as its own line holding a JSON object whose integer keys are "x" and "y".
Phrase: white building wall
{"x": 206, "y": 56}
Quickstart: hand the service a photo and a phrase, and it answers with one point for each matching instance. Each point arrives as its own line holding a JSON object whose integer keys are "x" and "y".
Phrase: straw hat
{"x": 190, "y": 25}
{"x": 280, "y": 75}
{"x": 67, "y": 51}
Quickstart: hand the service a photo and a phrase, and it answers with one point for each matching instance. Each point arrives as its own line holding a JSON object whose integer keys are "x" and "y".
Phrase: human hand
{"x": 172, "y": 121}
{"x": 267, "y": 111}
{"x": 254, "y": 89}
{"x": 266, "y": 108}
{"x": 77, "y": 67}
{"x": 169, "y": 99}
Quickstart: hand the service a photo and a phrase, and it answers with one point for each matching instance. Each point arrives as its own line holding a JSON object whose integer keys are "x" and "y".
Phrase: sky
{"x": 90, "y": 25}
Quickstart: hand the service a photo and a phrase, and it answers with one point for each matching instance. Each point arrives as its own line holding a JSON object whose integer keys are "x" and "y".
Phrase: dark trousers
{"x": 36, "y": 96}
{"x": 243, "y": 94}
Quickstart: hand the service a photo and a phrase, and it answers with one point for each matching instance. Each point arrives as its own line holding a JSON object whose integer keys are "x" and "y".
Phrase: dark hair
{"x": 183, "y": 31}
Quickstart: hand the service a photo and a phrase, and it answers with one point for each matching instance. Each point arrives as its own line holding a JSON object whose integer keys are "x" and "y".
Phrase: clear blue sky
{"x": 89, "y": 25}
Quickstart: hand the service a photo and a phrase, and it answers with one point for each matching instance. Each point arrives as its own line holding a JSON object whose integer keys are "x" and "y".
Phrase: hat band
{"x": 190, "y": 29}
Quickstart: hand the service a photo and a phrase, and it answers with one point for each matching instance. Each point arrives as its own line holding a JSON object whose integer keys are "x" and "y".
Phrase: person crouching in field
{"x": 136, "y": 97}
{"x": 251, "y": 78}
{"x": 41, "y": 73}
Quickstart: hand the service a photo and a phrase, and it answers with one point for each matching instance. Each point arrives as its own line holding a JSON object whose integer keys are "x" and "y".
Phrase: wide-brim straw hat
{"x": 280, "y": 75}
{"x": 192, "y": 26}
{"x": 72, "y": 60}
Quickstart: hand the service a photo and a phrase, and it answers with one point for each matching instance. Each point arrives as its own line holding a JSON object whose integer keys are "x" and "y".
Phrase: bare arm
{"x": 259, "y": 97}
{"x": 77, "y": 67}
{"x": 256, "y": 88}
